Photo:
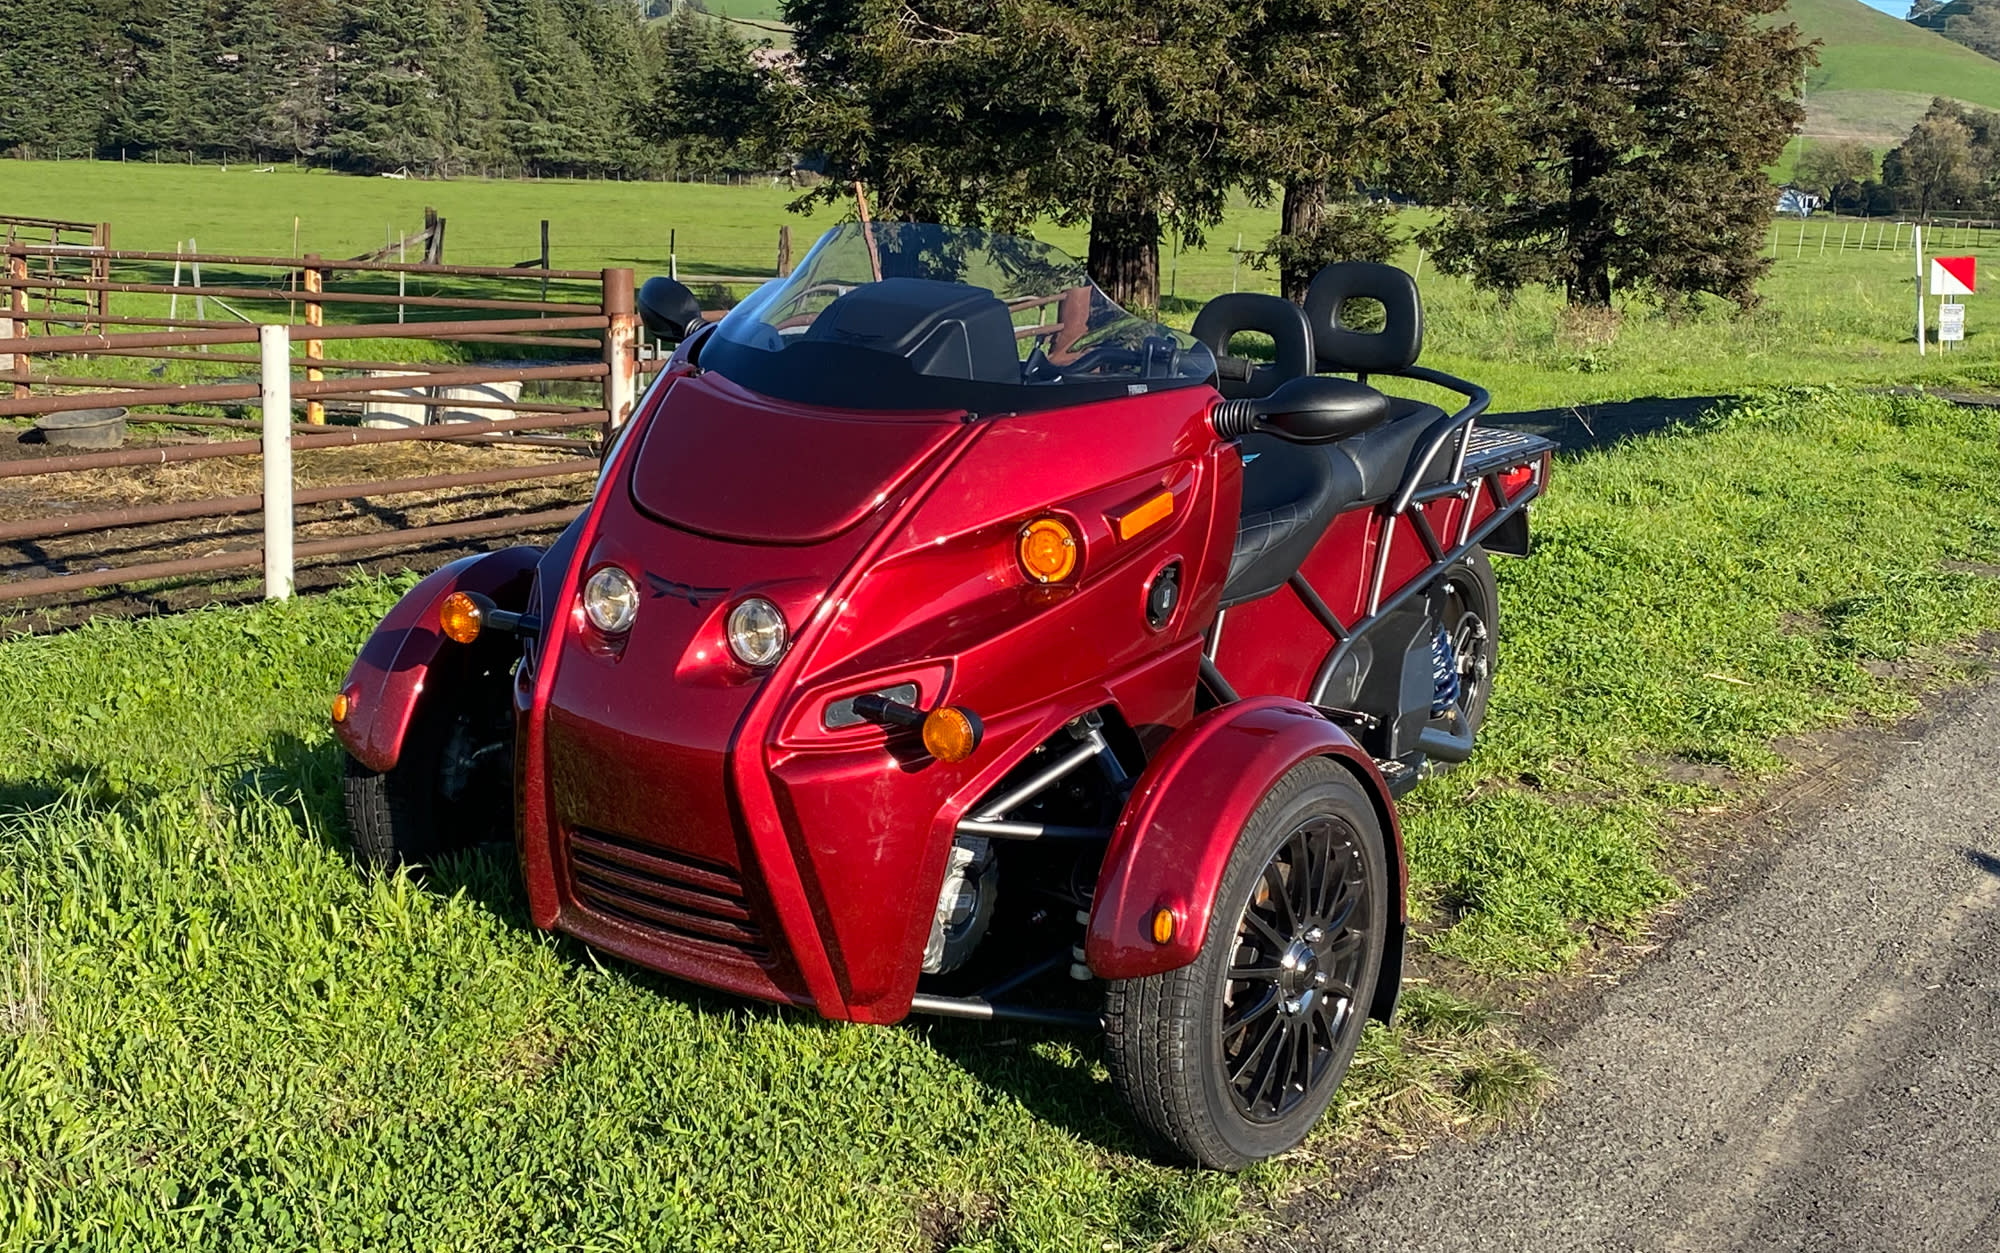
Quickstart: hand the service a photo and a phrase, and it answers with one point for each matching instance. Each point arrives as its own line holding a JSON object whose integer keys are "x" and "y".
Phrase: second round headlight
{"x": 757, "y": 632}
{"x": 611, "y": 600}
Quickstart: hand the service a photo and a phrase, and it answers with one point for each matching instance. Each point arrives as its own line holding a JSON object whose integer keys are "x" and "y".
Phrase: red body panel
{"x": 1178, "y": 830}
{"x": 385, "y": 681}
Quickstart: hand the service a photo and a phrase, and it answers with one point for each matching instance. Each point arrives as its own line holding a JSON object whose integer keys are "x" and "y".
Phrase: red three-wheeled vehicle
{"x": 943, "y": 638}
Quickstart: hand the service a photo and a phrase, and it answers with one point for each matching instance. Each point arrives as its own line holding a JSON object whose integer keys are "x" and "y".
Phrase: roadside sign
{"x": 1951, "y": 324}
{"x": 1954, "y": 276}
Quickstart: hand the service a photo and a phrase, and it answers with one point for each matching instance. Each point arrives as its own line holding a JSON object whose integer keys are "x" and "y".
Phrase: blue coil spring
{"x": 1444, "y": 673}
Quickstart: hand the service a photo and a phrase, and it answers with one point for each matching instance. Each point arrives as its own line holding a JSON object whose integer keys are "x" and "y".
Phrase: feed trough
{"x": 83, "y": 428}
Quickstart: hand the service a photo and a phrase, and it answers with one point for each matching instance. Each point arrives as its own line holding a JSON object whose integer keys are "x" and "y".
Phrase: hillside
{"x": 1878, "y": 74}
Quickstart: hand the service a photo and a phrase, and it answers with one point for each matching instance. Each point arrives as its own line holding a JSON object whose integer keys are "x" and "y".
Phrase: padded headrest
{"x": 1224, "y": 317}
{"x": 1344, "y": 350}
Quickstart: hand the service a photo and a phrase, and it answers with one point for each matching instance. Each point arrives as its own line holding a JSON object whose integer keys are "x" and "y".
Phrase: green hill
{"x": 1878, "y": 74}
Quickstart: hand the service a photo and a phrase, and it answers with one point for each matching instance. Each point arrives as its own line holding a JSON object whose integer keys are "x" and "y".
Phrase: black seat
{"x": 1293, "y": 492}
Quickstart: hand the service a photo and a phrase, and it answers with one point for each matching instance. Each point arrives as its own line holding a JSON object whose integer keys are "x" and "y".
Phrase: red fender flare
{"x": 1174, "y": 839}
{"x": 385, "y": 681}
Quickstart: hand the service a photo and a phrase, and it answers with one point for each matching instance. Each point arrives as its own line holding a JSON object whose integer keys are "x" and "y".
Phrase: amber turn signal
{"x": 1048, "y": 550}
{"x": 951, "y": 734}
{"x": 342, "y": 706}
{"x": 1163, "y": 926}
{"x": 460, "y": 617}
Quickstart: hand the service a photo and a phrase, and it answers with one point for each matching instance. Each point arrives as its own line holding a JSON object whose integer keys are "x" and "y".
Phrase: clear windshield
{"x": 879, "y": 316}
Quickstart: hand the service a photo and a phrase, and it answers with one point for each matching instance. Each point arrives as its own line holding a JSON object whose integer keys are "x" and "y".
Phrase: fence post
{"x": 620, "y": 347}
{"x": 315, "y": 316}
{"x": 17, "y": 307}
{"x": 275, "y": 347}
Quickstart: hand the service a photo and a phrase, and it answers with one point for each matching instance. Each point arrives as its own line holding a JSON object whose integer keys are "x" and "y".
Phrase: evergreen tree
{"x": 546, "y": 125}
{"x": 1107, "y": 111}
{"x": 54, "y": 81}
{"x": 162, "y": 100}
{"x": 389, "y": 112}
{"x": 712, "y": 108}
{"x": 1636, "y": 159}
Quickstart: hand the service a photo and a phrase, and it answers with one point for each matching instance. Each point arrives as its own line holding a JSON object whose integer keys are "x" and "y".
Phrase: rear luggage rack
{"x": 1495, "y": 448}
{"x": 660, "y": 891}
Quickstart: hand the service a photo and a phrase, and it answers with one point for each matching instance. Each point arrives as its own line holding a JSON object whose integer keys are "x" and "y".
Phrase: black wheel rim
{"x": 1288, "y": 1006}
{"x": 1471, "y": 639}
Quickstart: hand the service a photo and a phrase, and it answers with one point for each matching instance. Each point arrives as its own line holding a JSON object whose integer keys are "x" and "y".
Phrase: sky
{"x": 1894, "y": 8}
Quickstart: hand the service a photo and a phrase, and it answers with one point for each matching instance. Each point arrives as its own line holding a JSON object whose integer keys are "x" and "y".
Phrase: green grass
{"x": 213, "y": 1034}
{"x": 1827, "y": 317}
{"x": 1877, "y": 74}
{"x": 1865, "y": 49}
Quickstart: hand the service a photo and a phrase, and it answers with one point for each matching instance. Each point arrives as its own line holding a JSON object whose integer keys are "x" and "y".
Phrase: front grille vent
{"x": 662, "y": 891}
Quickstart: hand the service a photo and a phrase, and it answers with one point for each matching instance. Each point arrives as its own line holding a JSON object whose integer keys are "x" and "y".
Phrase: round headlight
{"x": 611, "y": 600}
{"x": 757, "y": 633}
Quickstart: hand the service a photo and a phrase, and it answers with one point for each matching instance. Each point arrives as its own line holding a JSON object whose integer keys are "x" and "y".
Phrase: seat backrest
{"x": 1342, "y": 349}
{"x": 1225, "y": 317}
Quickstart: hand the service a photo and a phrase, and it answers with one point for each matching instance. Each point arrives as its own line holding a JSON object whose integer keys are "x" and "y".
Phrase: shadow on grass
{"x": 1582, "y": 427}
{"x": 1053, "y": 1073}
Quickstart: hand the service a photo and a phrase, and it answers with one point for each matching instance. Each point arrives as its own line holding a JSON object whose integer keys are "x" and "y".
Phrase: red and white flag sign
{"x": 1954, "y": 276}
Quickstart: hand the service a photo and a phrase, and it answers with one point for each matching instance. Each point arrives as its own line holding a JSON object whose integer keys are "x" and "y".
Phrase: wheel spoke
{"x": 1318, "y": 868}
{"x": 1255, "y": 1049}
{"x": 1250, "y": 1017}
{"x": 1289, "y": 919}
{"x": 1301, "y": 881}
{"x": 1274, "y": 1067}
{"x": 1263, "y": 973}
{"x": 1276, "y": 937}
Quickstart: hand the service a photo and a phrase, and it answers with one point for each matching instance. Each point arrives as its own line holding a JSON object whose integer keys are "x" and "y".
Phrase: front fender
{"x": 385, "y": 681}
{"x": 1175, "y": 836}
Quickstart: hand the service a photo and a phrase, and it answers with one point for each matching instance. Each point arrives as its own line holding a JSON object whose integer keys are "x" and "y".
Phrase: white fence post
{"x": 275, "y": 345}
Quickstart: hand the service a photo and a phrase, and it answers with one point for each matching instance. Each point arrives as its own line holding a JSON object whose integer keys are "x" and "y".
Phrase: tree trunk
{"x": 1304, "y": 210}
{"x": 1125, "y": 256}
{"x": 1590, "y": 226}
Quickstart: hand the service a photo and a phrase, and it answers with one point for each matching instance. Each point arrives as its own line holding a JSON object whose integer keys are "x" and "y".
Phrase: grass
{"x": 1865, "y": 49}
{"x": 1829, "y": 316}
{"x": 216, "y": 1035}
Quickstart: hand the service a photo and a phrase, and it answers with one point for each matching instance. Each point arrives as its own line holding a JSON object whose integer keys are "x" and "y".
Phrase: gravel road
{"x": 1812, "y": 1063}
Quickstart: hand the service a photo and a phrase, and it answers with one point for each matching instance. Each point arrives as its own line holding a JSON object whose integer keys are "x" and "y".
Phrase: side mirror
{"x": 669, "y": 309}
{"x": 1313, "y": 410}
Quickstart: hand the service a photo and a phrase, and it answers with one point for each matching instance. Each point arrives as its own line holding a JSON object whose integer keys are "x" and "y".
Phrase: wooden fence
{"x": 288, "y": 331}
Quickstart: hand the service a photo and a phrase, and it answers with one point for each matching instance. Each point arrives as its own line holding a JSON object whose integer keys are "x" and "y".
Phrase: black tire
{"x": 1178, "y": 1040}
{"x": 1469, "y": 612}
{"x": 451, "y": 788}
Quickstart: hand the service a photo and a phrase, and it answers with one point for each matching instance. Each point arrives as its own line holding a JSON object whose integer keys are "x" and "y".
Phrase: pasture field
{"x": 214, "y": 1035}
{"x": 1828, "y": 315}
{"x": 1877, "y": 73}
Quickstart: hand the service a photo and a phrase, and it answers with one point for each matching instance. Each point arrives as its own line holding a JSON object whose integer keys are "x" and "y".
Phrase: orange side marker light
{"x": 1135, "y": 522}
{"x": 1163, "y": 926}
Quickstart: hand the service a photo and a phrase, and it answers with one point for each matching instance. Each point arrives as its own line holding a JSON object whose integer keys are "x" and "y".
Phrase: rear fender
{"x": 1174, "y": 839}
{"x": 388, "y": 677}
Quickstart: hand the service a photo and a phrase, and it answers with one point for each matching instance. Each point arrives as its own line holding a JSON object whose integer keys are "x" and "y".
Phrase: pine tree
{"x": 389, "y": 112}
{"x": 546, "y": 126}
{"x": 1349, "y": 96}
{"x": 162, "y": 102}
{"x": 1113, "y": 112}
{"x": 1635, "y": 159}
{"x": 712, "y": 108}
{"x": 53, "y": 77}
